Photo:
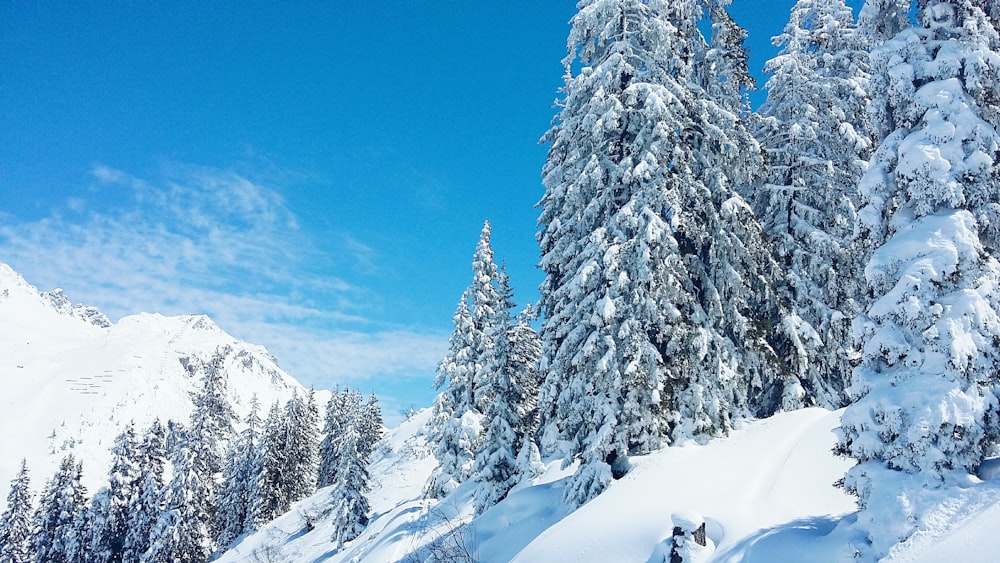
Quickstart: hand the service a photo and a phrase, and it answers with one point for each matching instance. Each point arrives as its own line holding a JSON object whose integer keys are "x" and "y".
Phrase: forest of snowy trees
{"x": 705, "y": 263}
{"x": 185, "y": 492}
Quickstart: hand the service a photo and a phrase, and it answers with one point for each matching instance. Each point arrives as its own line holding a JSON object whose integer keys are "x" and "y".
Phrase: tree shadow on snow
{"x": 817, "y": 539}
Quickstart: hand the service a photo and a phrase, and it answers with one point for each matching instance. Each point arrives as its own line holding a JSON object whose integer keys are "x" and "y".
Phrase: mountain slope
{"x": 766, "y": 475}
{"x": 70, "y": 379}
{"x": 766, "y": 493}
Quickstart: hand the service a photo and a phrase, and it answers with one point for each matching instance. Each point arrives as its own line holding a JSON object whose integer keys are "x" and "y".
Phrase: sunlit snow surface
{"x": 766, "y": 492}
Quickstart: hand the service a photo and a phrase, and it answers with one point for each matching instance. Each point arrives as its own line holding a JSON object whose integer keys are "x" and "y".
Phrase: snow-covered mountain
{"x": 766, "y": 494}
{"x": 70, "y": 379}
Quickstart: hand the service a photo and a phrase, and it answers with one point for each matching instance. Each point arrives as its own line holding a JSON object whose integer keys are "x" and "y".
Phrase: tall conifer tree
{"x": 659, "y": 301}
{"x": 110, "y": 509}
{"x": 64, "y": 498}
{"x": 495, "y": 464}
{"x": 814, "y": 131}
{"x": 15, "y": 522}
{"x": 925, "y": 410}
{"x": 350, "y": 501}
{"x": 148, "y": 503}
{"x": 238, "y": 492}
{"x": 272, "y": 500}
{"x": 337, "y": 419}
{"x": 456, "y": 425}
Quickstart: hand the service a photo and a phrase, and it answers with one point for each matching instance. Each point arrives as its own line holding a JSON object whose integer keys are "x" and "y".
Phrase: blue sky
{"x": 313, "y": 175}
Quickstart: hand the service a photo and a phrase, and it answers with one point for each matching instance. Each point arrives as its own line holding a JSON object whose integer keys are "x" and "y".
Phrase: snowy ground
{"x": 766, "y": 493}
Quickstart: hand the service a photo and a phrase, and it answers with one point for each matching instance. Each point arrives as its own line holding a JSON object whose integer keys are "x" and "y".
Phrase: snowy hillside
{"x": 766, "y": 494}
{"x": 69, "y": 379}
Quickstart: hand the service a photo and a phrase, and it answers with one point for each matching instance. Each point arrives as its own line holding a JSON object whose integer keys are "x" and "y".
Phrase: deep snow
{"x": 766, "y": 492}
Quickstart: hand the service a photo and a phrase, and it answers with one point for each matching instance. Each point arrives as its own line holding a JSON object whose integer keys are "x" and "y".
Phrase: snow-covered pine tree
{"x": 148, "y": 503}
{"x": 15, "y": 522}
{"x": 484, "y": 306}
{"x": 213, "y": 418}
{"x": 184, "y": 530}
{"x": 495, "y": 464}
{"x": 525, "y": 350}
{"x": 109, "y": 510}
{"x": 659, "y": 298}
{"x": 271, "y": 499}
{"x": 456, "y": 424}
{"x": 205, "y": 440}
{"x": 55, "y": 536}
{"x": 925, "y": 409}
{"x": 349, "y": 501}
{"x": 79, "y": 538}
{"x": 238, "y": 491}
{"x": 188, "y": 526}
{"x": 369, "y": 426}
{"x": 337, "y": 418}
{"x": 814, "y": 133}
{"x": 301, "y": 447}
{"x": 453, "y": 441}
{"x": 734, "y": 275}
{"x": 529, "y": 460}
{"x": 724, "y": 70}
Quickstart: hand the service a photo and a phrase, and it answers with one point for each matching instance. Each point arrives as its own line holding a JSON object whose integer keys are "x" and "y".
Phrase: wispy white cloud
{"x": 198, "y": 239}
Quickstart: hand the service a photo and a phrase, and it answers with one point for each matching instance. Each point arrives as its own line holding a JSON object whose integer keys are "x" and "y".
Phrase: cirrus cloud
{"x": 198, "y": 239}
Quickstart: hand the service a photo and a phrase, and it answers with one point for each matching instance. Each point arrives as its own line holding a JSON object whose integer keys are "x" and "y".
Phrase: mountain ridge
{"x": 70, "y": 379}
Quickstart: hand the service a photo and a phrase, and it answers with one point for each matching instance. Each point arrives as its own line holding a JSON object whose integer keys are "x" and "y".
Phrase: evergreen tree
{"x": 525, "y": 351}
{"x": 110, "y": 514}
{"x": 301, "y": 427}
{"x": 64, "y": 497}
{"x": 349, "y": 502}
{"x": 659, "y": 298}
{"x": 79, "y": 538}
{"x": 485, "y": 307}
{"x": 509, "y": 377}
{"x": 337, "y": 418}
{"x": 369, "y": 426}
{"x": 238, "y": 492}
{"x": 148, "y": 502}
{"x": 529, "y": 460}
{"x": 15, "y": 522}
{"x": 725, "y": 70}
{"x": 814, "y": 132}
{"x": 204, "y": 442}
{"x": 213, "y": 417}
{"x": 272, "y": 500}
{"x": 188, "y": 526}
{"x": 495, "y": 463}
{"x": 183, "y": 531}
{"x": 925, "y": 410}
{"x": 456, "y": 424}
